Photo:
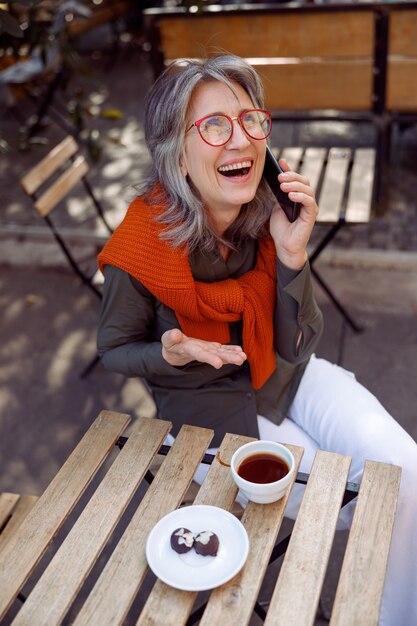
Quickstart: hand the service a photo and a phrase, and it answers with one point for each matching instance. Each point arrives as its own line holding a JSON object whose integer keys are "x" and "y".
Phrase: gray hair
{"x": 166, "y": 108}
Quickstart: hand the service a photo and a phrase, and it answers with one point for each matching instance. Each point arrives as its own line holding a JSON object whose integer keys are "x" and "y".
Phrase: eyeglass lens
{"x": 217, "y": 129}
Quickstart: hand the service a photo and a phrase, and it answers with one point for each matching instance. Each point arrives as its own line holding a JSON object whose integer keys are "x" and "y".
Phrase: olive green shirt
{"x": 133, "y": 320}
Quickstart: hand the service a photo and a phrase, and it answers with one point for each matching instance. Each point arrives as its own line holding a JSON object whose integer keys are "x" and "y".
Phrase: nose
{"x": 239, "y": 138}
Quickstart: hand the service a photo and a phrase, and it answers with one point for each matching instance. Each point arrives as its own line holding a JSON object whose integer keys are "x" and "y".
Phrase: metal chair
{"x": 344, "y": 181}
{"x": 48, "y": 184}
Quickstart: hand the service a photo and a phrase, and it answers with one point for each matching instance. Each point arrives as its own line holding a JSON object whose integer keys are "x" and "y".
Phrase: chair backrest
{"x": 308, "y": 59}
{"x": 44, "y": 171}
{"x": 52, "y": 180}
{"x": 402, "y": 61}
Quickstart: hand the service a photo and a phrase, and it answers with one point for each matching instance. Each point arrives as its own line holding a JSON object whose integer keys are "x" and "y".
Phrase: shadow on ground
{"x": 47, "y": 338}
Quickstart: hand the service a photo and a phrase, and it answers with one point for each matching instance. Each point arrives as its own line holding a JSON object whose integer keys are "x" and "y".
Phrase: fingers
{"x": 284, "y": 165}
{"x": 178, "y": 350}
{"x": 216, "y": 354}
{"x": 295, "y": 182}
{"x": 290, "y": 175}
{"x": 299, "y": 192}
{"x": 291, "y": 239}
{"x": 173, "y": 348}
{"x": 298, "y": 188}
{"x": 171, "y": 338}
{"x": 232, "y": 354}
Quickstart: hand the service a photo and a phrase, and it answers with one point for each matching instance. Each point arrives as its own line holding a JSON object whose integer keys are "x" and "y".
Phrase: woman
{"x": 208, "y": 297}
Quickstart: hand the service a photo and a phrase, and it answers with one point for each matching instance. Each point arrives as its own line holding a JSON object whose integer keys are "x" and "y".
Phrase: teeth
{"x": 234, "y": 166}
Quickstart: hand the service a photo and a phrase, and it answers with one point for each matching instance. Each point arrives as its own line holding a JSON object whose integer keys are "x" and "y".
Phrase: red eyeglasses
{"x": 217, "y": 130}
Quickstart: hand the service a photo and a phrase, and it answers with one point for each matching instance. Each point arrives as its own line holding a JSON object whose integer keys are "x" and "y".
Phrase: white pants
{"x": 333, "y": 412}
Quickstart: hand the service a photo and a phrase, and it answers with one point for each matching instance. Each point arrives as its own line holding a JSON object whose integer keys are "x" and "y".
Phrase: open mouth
{"x": 235, "y": 169}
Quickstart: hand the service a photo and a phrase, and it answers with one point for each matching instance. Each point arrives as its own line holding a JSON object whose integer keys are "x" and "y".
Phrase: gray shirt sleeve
{"x": 125, "y": 338}
{"x": 298, "y": 321}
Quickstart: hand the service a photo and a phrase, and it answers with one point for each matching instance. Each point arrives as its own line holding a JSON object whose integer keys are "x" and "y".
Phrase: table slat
{"x": 116, "y": 588}
{"x": 30, "y": 541}
{"x": 331, "y": 194}
{"x": 8, "y": 502}
{"x": 61, "y": 581}
{"x": 233, "y": 603}
{"x": 20, "y": 511}
{"x": 169, "y": 606}
{"x": 364, "y": 565}
{"x": 359, "y": 202}
{"x": 299, "y": 584}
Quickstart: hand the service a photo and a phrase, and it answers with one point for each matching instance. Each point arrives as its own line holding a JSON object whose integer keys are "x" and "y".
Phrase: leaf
{"x": 9, "y": 24}
{"x": 111, "y": 114}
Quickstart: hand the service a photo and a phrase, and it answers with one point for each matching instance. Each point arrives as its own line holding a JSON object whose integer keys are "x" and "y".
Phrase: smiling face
{"x": 225, "y": 176}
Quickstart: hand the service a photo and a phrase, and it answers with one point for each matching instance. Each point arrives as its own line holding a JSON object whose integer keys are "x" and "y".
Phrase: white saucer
{"x": 191, "y": 571}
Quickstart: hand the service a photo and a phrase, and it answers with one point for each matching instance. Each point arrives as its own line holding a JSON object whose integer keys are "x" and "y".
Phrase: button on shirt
{"x": 133, "y": 320}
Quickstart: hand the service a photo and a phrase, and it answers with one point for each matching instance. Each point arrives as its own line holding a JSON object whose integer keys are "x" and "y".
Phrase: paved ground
{"x": 47, "y": 334}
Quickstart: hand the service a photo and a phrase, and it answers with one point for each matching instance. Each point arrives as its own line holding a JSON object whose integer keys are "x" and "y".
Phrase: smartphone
{"x": 271, "y": 170}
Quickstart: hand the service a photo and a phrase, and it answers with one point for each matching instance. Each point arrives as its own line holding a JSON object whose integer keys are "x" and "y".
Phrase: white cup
{"x": 263, "y": 493}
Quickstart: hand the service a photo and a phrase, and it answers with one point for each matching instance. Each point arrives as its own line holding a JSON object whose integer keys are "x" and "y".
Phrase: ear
{"x": 183, "y": 166}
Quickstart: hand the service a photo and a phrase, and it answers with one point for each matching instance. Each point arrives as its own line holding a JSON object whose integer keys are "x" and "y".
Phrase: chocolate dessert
{"x": 206, "y": 543}
{"x": 182, "y": 540}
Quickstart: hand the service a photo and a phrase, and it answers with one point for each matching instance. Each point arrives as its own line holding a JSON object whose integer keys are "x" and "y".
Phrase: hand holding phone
{"x": 271, "y": 170}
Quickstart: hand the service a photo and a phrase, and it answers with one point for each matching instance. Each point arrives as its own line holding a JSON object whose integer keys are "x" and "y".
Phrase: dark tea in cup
{"x": 262, "y": 468}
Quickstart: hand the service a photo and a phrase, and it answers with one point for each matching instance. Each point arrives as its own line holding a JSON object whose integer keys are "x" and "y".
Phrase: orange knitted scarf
{"x": 203, "y": 310}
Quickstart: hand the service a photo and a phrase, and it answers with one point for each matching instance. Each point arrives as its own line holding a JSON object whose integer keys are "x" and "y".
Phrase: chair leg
{"x": 342, "y": 338}
{"x": 88, "y": 369}
{"x": 324, "y": 242}
{"x": 328, "y": 237}
{"x": 97, "y": 204}
{"x": 45, "y": 104}
{"x": 354, "y": 326}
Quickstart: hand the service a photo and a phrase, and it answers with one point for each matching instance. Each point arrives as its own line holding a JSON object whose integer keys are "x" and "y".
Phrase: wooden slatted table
{"x": 344, "y": 182}
{"x": 54, "y": 587}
